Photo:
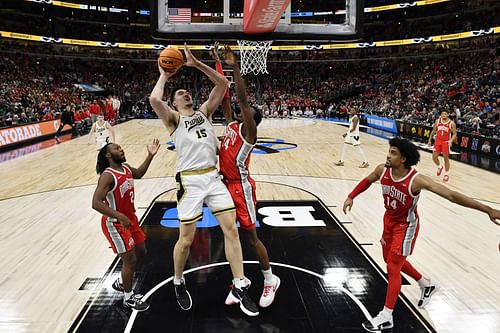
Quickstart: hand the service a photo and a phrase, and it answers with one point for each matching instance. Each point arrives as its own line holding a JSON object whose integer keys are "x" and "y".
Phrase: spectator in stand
{"x": 95, "y": 110}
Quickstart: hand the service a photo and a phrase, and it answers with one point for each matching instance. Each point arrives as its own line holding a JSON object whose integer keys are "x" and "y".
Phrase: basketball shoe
{"x": 381, "y": 322}
{"x": 237, "y": 295}
{"x": 426, "y": 294}
{"x": 439, "y": 171}
{"x": 183, "y": 297}
{"x": 446, "y": 178}
{"x": 364, "y": 165}
{"x": 268, "y": 292}
{"x": 135, "y": 302}
{"x": 118, "y": 286}
{"x": 339, "y": 163}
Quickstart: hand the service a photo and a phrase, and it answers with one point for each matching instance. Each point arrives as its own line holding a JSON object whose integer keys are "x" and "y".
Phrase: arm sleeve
{"x": 218, "y": 67}
{"x": 360, "y": 188}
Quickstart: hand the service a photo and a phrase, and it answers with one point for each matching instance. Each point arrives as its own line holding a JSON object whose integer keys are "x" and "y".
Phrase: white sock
{"x": 178, "y": 281}
{"x": 127, "y": 295}
{"x": 387, "y": 312}
{"x": 240, "y": 282}
{"x": 362, "y": 154}
{"x": 424, "y": 282}
{"x": 268, "y": 276}
{"x": 344, "y": 148}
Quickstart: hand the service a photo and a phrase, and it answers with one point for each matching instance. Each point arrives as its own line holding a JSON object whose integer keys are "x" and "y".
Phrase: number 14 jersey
{"x": 400, "y": 203}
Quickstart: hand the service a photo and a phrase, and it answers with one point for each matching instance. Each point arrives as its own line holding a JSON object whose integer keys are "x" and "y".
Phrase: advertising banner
{"x": 382, "y": 123}
{"x": 24, "y": 133}
{"x": 466, "y": 141}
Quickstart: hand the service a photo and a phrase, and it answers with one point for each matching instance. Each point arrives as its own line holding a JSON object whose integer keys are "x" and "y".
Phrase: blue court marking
{"x": 170, "y": 219}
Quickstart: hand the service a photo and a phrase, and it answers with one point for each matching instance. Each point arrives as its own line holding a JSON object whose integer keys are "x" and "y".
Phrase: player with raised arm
{"x": 401, "y": 188}
{"x": 198, "y": 180}
{"x": 234, "y": 158}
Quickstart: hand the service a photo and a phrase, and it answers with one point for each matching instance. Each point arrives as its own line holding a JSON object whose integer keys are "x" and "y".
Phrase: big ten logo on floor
{"x": 271, "y": 213}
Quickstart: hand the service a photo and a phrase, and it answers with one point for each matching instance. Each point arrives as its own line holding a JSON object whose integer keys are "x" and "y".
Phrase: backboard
{"x": 222, "y": 20}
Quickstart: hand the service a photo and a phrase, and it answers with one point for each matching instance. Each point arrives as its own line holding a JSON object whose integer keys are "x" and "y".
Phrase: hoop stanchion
{"x": 253, "y": 55}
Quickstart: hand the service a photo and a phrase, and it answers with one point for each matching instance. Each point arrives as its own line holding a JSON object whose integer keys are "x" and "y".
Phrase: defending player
{"x": 234, "y": 158}
{"x": 114, "y": 198}
{"x": 401, "y": 187}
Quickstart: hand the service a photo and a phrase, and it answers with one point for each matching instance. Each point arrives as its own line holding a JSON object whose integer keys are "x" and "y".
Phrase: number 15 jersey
{"x": 195, "y": 143}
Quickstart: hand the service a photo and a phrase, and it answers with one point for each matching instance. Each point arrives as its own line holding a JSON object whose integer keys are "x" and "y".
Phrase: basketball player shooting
{"x": 198, "y": 180}
{"x": 401, "y": 187}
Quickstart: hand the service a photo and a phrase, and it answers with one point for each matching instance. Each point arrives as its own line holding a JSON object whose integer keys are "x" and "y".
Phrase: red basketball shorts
{"x": 122, "y": 240}
{"x": 400, "y": 236}
{"x": 243, "y": 194}
{"x": 442, "y": 147}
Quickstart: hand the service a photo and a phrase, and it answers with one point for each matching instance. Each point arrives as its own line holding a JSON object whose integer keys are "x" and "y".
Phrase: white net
{"x": 253, "y": 56}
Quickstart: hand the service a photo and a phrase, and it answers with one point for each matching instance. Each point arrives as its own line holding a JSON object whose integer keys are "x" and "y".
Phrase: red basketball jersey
{"x": 234, "y": 153}
{"x": 121, "y": 196}
{"x": 400, "y": 203}
{"x": 443, "y": 130}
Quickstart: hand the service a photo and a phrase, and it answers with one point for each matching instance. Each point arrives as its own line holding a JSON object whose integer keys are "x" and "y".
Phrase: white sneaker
{"x": 268, "y": 293}
{"x": 426, "y": 294}
{"x": 379, "y": 323}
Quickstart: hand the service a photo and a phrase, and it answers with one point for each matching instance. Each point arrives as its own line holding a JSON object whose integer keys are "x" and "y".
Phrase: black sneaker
{"x": 238, "y": 295}
{"x": 117, "y": 285}
{"x": 135, "y": 302}
{"x": 183, "y": 297}
{"x": 426, "y": 294}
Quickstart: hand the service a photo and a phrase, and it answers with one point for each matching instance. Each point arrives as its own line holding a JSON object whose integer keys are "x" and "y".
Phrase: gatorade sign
{"x": 17, "y": 134}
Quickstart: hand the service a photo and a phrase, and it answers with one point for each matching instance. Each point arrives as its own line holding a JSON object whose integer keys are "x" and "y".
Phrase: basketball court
{"x": 57, "y": 267}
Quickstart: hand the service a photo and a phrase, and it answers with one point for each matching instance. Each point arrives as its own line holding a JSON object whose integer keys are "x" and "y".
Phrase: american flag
{"x": 179, "y": 15}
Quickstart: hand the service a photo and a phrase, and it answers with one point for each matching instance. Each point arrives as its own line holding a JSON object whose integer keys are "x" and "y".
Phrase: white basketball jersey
{"x": 351, "y": 126}
{"x": 195, "y": 142}
{"x": 101, "y": 131}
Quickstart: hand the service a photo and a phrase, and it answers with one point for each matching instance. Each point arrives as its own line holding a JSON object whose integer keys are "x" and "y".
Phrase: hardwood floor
{"x": 51, "y": 239}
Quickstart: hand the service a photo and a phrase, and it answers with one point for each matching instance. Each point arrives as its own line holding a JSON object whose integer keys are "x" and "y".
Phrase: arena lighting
{"x": 397, "y": 42}
{"x": 404, "y": 5}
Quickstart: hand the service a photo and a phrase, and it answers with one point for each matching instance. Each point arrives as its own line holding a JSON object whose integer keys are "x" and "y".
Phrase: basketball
{"x": 170, "y": 59}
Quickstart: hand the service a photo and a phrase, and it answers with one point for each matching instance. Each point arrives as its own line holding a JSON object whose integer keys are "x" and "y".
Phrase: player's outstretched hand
{"x": 347, "y": 205}
{"x": 191, "y": 61}
{"x": 153, "y": 148}
{"x": 229, "y": 56}
{"x": 494, "y": 215}
{"x": 214, "y": 52}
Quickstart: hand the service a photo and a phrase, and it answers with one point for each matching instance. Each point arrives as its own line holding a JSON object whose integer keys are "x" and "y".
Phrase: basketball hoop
{"x": 253, "y": 55}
